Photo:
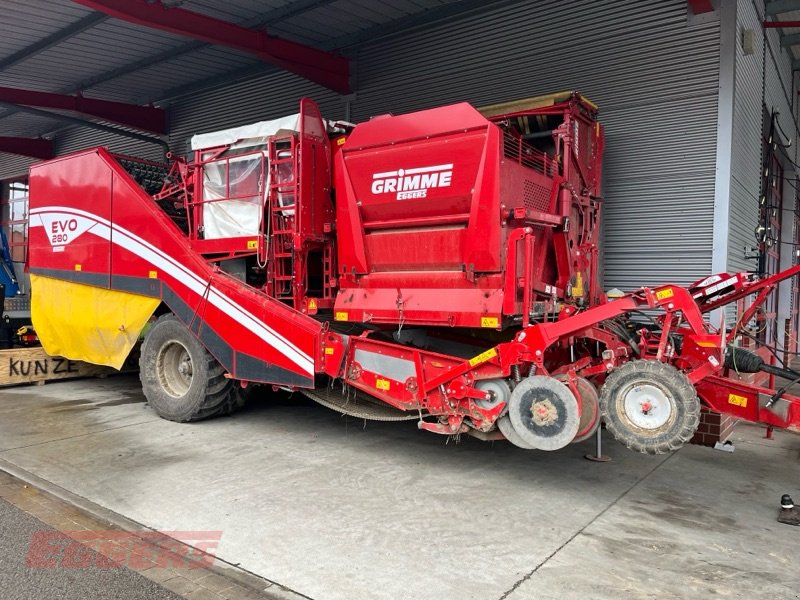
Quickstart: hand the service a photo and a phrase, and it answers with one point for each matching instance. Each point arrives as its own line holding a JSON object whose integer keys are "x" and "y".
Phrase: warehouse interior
{"x": 698, "y": 101}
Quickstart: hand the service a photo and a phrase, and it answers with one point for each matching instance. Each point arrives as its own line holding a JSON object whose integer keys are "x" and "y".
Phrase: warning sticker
{"x": 483, "y": 357}
{"x": 737, "y": 400}
{"x": 492, "y": 322}
{"x": 664, "y": 294}
{"x": 383, "y": 384}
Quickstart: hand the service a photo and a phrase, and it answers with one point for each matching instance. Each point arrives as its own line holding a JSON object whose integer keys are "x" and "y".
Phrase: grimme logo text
{"x": 412, "y": 183}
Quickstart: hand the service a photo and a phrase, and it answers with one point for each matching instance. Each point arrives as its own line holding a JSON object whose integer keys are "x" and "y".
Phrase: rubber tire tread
{"x": 210, "y": 393}
{"x": 686, "y": 402}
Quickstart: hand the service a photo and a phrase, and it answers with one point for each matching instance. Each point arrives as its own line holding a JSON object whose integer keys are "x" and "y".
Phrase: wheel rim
{"x": 174, "y": 368}
{"x": 647, "y": 406}
{"x": 499, "y": 390}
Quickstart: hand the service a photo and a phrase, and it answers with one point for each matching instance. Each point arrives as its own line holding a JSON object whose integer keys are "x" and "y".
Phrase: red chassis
{"x": 443, "y": 386}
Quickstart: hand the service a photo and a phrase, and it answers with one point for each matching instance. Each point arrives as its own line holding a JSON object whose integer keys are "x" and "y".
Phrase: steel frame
{"x": 327, "y": 69}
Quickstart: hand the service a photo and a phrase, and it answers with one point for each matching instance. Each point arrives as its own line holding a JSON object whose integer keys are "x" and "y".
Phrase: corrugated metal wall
{"x": 654, "y": 75}
{"x": 763, "y": 80}
{"x": 77, "y": 139}
{"x": 261, "y": 98}
{"x": 747, "y": 138}
{"x": 653, "y": 71}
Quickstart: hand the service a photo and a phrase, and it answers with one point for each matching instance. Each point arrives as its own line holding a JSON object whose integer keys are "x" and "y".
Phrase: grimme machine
{"x": 440, "y": 266}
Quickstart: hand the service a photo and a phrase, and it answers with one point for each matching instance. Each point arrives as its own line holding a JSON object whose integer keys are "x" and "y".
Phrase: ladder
{"x": 283, "y": 218}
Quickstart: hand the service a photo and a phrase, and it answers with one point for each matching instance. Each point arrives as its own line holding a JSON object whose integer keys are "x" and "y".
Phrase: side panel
{"x": 255, "y": 337}
{"x": 69, "y": 237}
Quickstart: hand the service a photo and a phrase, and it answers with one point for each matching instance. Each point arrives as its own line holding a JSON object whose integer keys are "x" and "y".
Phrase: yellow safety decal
{"x": 329, "y": 351}
{"x": 706, "y": 343}
{"x": 489, "y": 322}
{"x": 483, "y": 357}
{"x": 340, "y": 316}
{"x": 153, "y": 274}
{"x": 664, "y": 294}
{"x": 77, "y": 267}
{"x": 737, "y": 400}
{"x": 382, "y": 384}
{"x": 312, "y": 304}
{"x": 252, "y": 244}
{"x": 341, "y": 141}
{"x": 577, "y": 288}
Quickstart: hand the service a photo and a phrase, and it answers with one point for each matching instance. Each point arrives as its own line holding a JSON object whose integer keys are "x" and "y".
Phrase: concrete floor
{"x": 335, "y": 509}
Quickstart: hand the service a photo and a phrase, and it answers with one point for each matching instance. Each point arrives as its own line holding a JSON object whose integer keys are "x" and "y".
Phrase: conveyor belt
{"x": 356, "y": 405}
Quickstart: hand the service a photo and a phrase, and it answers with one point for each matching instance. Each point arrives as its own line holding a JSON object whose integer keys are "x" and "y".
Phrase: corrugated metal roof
{"x": 115, "y": 60}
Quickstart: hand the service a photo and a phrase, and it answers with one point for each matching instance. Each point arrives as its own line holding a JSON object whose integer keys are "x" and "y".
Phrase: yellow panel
{"x": 81, "y": 322}
{"x": 527, "y": 104}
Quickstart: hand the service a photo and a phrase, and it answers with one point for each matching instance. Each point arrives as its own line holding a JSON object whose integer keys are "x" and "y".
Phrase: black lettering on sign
{"x": 40, "y": 367}
{"x": 13, "y": 366}
{"x": 60, "y": 365}
{"x": 25, "y": 368}
{"x": 72, "y": 366}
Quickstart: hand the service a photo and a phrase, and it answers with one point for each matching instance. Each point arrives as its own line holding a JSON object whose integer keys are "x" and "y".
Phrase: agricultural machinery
{"x": 440, "y": 266}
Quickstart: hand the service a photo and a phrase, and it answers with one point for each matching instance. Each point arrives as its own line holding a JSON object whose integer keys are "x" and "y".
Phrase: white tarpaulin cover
{"x": 261, "y": 129}
{"x": 238, "y": 178}
{"x": 225, "y": 218}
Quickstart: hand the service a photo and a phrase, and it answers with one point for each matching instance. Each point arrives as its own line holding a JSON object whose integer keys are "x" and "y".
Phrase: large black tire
{"x": 650, "y": 406}
{"x": 180, "y": 379}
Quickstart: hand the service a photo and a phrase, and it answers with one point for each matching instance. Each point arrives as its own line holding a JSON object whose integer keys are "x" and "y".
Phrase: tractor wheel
{"x": 650, "y": 406}
{"x": 180, "y": 379}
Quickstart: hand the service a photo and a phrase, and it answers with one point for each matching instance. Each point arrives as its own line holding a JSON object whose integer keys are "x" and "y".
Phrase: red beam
{"x": 33, "y": 147}
{"x": 321, "y": 67}
{"x": 699, "y": 7}
{"x": 779, "y": 24}
{"x": 145, "y": 118}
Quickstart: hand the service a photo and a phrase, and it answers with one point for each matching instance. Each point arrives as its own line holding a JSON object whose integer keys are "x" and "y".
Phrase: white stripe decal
{"x": 164, "y": 262}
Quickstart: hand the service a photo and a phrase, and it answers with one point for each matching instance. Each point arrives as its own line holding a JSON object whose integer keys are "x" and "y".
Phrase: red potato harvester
{"x": 440, "y": 266}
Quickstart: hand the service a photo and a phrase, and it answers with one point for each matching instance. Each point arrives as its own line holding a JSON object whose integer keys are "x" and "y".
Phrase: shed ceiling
{"x": 60, "y": 46}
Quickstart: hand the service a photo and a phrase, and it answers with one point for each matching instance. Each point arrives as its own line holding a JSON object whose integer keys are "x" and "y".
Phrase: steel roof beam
{"x": 426, "y": 18}
{"x": 780, "y": 24}
{"x": 329, "y": 70}
{"x": 146, "y": 118}
{"x": 33, "y": 147}
{"x": 272, "y": 17}
{"x": 698, "y": 7}
{"x": 776, "y": 7}
{"x": 84, "y": 122}
{"x": 51, "y": 40}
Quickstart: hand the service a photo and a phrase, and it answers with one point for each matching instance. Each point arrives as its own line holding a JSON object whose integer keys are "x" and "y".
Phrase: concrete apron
{"x": 332, "y": 508}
